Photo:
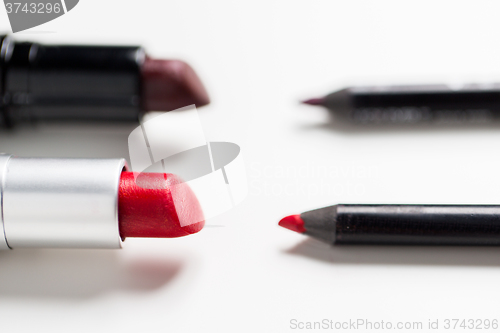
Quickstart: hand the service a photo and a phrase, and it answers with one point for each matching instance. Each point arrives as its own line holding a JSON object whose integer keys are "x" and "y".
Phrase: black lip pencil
{"x": 400, "y": 224}
{"x": 419, "y": 104}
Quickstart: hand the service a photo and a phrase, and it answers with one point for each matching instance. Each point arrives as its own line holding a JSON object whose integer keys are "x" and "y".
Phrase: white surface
{"x": 243, "y": 273}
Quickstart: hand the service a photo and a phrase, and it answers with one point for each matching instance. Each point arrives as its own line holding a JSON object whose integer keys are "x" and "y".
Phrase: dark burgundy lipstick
{"x": 76, "y": 82}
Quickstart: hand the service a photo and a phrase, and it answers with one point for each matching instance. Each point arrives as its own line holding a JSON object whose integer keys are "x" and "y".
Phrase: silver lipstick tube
{"x": 59, "y": 202}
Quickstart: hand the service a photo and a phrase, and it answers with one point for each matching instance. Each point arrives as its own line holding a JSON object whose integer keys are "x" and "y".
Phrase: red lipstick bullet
{"x": 89, "y": 203}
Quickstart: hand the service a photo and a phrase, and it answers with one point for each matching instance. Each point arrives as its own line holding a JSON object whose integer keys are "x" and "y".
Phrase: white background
{"x": 243, "y": 273}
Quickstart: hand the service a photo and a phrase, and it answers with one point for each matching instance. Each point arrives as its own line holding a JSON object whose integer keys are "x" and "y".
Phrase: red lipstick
{"x": 149, "y": 210}
{"x": 90, "y": 203}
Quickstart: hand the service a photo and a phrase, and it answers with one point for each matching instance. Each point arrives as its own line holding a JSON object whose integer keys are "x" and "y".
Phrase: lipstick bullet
{"x": 89, "y": 203}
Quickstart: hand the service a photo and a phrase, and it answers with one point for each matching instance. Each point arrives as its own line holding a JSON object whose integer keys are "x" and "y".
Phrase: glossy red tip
{"x": 314, "y": 101}
{"x": 170, "y": 84}
{"x": 294, "y": 223}
{"x": 147, "y": 207}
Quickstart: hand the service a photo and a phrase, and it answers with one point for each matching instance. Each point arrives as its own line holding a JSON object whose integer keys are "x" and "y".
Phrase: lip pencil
{"x": 84, "y": 82}
{"x": 89, "y": 203}
{"x": 419, "y": 104}
{"x": 400, "y": 224}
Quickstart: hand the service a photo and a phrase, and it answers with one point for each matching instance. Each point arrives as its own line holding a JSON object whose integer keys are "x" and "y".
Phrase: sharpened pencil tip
{"x": 314, "y": 101}
{"x": 294, "y": 223}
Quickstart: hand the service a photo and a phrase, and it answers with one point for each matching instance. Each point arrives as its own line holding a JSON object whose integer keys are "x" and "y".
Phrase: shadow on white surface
{"x": 80, "y": 274}
{"x": 352, "y": 129}
{"x": 398, "y": 255}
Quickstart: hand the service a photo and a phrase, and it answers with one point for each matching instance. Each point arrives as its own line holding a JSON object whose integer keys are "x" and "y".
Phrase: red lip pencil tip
{"x": 314, "y": 101}
{"x": 294, "y": 223}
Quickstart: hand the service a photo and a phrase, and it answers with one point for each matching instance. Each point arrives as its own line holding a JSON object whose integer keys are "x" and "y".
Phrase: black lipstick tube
{"x": 56, "y": 82}
{"x": 405, "y": 224}
{"x": 420, "y": 104}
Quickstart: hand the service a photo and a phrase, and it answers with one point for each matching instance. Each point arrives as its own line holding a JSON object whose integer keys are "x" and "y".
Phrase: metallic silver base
{"x": 60, "y": 203}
